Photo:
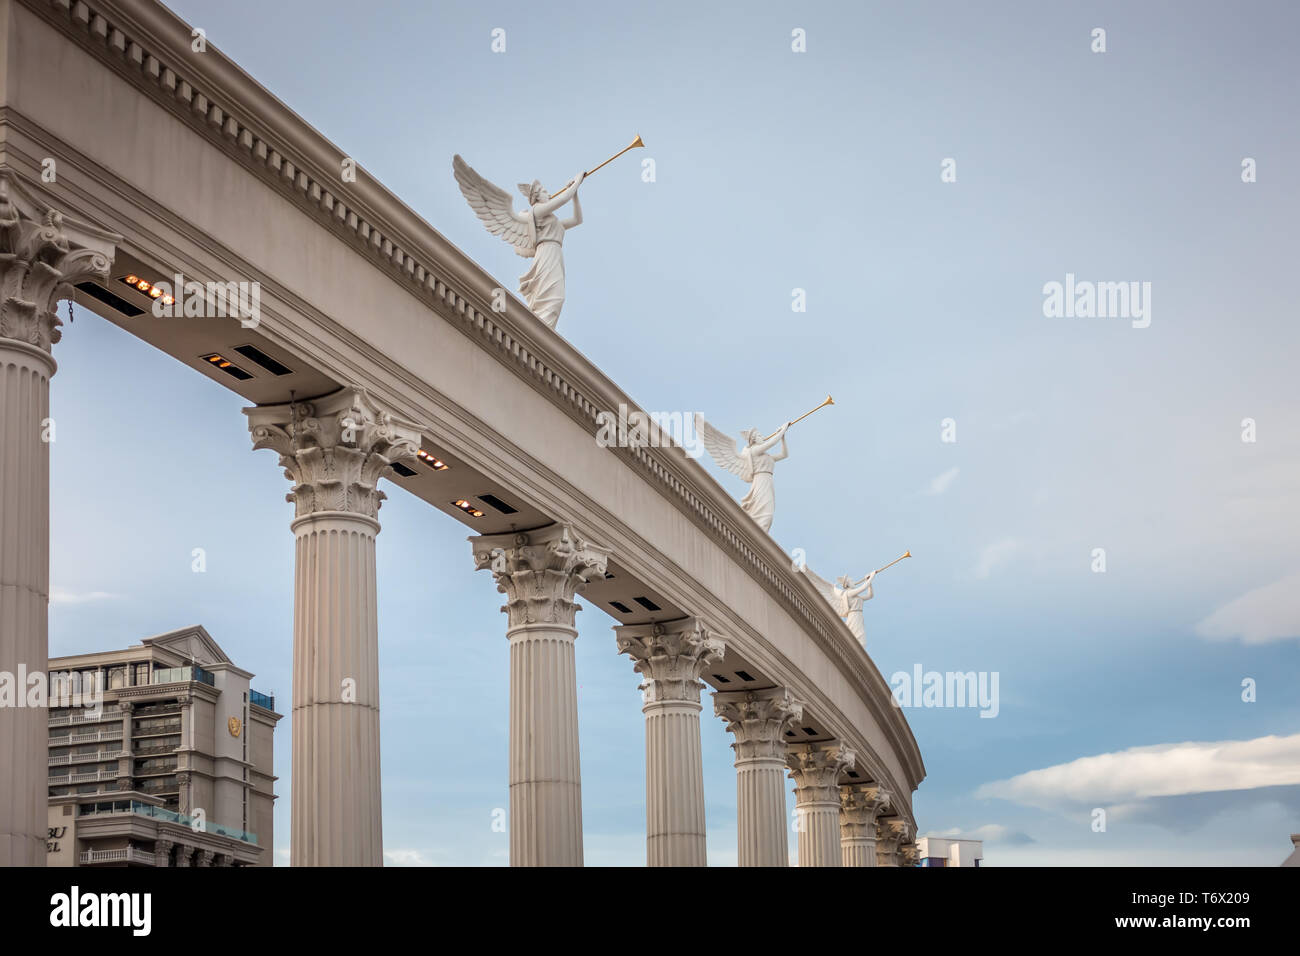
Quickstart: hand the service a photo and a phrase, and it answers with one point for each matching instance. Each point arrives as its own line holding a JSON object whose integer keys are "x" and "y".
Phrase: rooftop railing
{"x": 175, "y": 675}
{"x": 260, "y": 699}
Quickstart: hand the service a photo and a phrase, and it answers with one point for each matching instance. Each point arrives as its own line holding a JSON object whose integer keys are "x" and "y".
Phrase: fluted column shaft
{"x": 545, "y": 770}
{"x": 540, "y": 572}
{"x": 335, "y": 449}
{"x": 24, "y": 596}
{"x": 42, "y": 255}
{"x": 858, "y": 852}
{"x": 674, "y": 786}
{"x": 336, "y": 808}
{"x": 819, "y": 834}
{"x": 671, "y": 657}
{"x": 815, "y": 770}
{"x": 760, "y": 812}
{"x": 758, "y": 720}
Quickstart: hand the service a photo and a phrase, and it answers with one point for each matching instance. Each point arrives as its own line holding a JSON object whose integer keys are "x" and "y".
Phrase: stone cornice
{"x": 149, "y": 46}
{"x": 178, "y": 689}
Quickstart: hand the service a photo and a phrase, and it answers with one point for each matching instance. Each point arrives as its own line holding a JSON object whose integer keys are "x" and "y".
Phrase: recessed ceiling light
{"x": 432, "y": 461}
{"x": 147, "y": 287}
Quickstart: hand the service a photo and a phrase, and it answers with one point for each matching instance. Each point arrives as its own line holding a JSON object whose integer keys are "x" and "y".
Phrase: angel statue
{"x": 751, "y": 462}
{"x": 536, "y": 233}
{"x": 846, "y": 598}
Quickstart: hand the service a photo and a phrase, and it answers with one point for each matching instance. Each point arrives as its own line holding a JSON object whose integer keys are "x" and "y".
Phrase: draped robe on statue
{"x": 760, "y": 502}
{"x": 542, "y": 286}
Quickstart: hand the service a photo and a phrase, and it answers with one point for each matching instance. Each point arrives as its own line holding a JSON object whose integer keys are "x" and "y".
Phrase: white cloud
{"x": 989, "y": 833}
{"x": 941, "y": 483}
{"x": 1138, "y": 774}
{"x": 994, "y": 555}
{"x": 1269, "y": 613}
{"x": 63, "y": 596}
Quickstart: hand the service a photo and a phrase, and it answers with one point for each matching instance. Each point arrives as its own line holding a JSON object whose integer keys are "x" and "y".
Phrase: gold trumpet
{"x": 635, "y": 143}
{"x": 829, "y": 401}
{"x": 894, "y": 562}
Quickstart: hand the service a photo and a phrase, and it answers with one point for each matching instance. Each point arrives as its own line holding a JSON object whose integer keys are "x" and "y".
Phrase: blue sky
{"x": 820, "y": 170}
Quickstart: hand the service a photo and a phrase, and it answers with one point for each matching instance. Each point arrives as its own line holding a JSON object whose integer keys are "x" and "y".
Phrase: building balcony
{"x": 87, "y": 758}
{"x": 156, "y": 787}
{"x": 128, "y": 854}
{"x": 161, "y": 730}
{"x": 94, "y": 777}
{"x": 156, "y": 749}
{"x": 168, "y": 816}
{"x": 153, "y": 710}
{"x": 90, "y": 738}
{"x": 89, "y": 717}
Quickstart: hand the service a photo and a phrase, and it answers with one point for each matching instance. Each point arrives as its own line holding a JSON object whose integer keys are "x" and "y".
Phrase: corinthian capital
{"x": 540, "y": 572}
{"x": 335, "y": 449}
{"x": 42, "y": 256}
{"x": 758, "y": 720}
{"x": 816, "y": 768}
{"x": 670, "y": 656}
{"x": 860, "y": 805}
{"x": 892, "y": 833}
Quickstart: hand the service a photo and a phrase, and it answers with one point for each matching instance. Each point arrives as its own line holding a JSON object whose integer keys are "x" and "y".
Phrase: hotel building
{"x": 938, "y": 851}
{"x": 172, "y": 766}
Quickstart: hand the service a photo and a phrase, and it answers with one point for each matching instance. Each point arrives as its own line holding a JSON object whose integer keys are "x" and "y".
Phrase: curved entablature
{"x": 145, "y": 44}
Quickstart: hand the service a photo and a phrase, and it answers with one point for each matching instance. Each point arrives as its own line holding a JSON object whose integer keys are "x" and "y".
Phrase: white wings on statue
{"x": 494, "y": 207}
{"x": 724, "y": 449}
{"x": 827, "y": 589}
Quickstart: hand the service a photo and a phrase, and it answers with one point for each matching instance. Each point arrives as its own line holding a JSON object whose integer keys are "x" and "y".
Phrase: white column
{"x": 758, "y": 720}
{"x": 860, "y": 805}
{"x": 815, "y": 769}
{"x": 672, "y": 657}
{"x": 41, "y": 256}
{"x": 335, "y": 449}
{"x": 540, "y": 572}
